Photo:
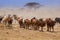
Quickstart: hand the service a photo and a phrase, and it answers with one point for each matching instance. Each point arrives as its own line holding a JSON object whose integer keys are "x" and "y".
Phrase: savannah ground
{"x": 22, "y": 34}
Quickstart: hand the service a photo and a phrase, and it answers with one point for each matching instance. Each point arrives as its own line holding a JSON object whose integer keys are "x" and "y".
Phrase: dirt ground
{"x": 22, "y": 34}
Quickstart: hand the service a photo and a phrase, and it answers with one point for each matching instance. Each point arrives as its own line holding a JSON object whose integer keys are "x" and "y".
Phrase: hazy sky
{"x": 20, "y": 3}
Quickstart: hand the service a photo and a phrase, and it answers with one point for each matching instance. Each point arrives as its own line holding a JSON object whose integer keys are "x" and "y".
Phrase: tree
{"x": 32, "y": 5}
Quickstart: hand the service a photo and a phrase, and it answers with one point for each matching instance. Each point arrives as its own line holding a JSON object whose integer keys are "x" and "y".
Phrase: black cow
{"x": 57, "y": 20}
{"x": 1, "y": 19}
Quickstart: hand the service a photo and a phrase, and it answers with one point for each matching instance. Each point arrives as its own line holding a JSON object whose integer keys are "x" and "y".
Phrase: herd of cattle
{"x": 34, "y": 23}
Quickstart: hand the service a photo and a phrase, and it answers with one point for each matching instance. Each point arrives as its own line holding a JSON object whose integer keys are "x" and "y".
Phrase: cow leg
{"x": 34, "y": 27}
{"x": 47, "y": 28}
{"x": 9, "y": 25}
{"x": 52, "y": 28}
{"x": 4, "y": 23}
{"x": 23, "y": 26}
{"x": 27, "y": 26}
{"x": 37, "y": 27}
{"x": 31, "y": 27}
{"x": 42, "y": 29}
{"x": 20, "y": 26}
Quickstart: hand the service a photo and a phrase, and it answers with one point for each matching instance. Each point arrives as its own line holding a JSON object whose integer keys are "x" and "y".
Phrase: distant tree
{"x": 32, "y": 5}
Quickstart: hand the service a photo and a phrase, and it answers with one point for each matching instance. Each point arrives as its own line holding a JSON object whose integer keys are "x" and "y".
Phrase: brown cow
{"x": 20, "y": 21}
{"x": 27, "y": 23}
{"x": 10, "y": 20}
{"x": 7, "y": 20}
{"x": 34, "y": 23}
{"x": 50, "y": 24}
{"x": 41, "y": 23}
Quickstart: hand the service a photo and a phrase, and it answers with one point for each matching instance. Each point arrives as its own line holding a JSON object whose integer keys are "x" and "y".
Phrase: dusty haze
{"x": 43, "y": 12}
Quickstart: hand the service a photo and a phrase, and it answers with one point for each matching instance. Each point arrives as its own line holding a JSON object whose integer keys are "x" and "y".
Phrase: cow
{"x": 10, "y": 21}
{"x": 1, "y": 19}
{"x": 7, "y": 21}
{"x": 41, "y": 24}
{"x": 34, "y": 22}
{"x": 50, "y": 24}
{"x": 19, "y": 20}
{"x": 27, "y": 23}
{"x": 57, "y": 19}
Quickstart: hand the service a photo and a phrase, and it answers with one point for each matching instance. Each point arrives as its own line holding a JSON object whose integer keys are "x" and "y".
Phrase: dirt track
{"x": 23, "y": 34}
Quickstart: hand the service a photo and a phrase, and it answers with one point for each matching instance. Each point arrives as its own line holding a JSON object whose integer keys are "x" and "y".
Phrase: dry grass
{"x": 22, "y": 34}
